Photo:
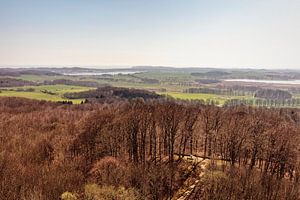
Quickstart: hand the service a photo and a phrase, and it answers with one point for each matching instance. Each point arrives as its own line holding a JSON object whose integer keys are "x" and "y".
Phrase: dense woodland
{"x": 134, "y": 150}
{"x": 16, "y": 72}
{"x": 72, "y": 82}
{"x": 12, "y": 82}
{"x": 273, "y": 94}
{"x": 108, "y": 93}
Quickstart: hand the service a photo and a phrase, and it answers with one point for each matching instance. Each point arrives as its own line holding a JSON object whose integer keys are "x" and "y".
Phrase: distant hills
{"x": 199, "y": 72}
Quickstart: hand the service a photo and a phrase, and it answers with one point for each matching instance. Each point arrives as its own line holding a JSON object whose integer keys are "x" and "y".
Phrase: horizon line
{"x": 154, "y": 66}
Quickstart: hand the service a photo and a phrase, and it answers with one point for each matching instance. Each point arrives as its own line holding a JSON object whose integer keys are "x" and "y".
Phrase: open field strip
{"x": 198, "y": 96}
{"x": 40, "y": 94}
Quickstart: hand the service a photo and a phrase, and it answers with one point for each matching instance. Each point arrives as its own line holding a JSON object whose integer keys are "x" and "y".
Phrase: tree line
{"x": 295, "y": 102}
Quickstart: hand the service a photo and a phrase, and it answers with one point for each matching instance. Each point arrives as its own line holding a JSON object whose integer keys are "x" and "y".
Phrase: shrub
{"x": 68, "y": 196}
{"x": 95, "y": 192}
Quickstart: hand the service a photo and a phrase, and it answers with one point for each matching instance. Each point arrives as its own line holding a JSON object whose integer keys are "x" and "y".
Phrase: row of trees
{"x": 47, "y": 149}
{"x": 217, "y": 91}
{"x": 273, "y": 94}
{"x": 264, "y": 102}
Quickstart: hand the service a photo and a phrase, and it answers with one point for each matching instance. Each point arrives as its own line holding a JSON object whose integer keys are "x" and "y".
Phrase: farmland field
{"x": 201, "y": 96}
{"x": 176, "y": 83}
{"x": 53, "y": 92}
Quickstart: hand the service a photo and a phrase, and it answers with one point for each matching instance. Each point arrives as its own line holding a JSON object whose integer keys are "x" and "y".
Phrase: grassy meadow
{"x": 54, "y": 92}
{"x": 201, "y": 96}
{"x": 171, "y": 84}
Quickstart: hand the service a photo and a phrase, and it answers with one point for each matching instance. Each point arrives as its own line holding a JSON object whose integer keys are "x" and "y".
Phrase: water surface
{"x": 286, "y": 82}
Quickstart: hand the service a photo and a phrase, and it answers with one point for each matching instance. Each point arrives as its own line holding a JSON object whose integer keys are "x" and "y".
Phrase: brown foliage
{"x": 47, "y": 149}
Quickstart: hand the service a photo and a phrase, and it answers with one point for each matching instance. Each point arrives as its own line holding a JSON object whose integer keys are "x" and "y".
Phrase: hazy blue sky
{"x": 198, "y": 33}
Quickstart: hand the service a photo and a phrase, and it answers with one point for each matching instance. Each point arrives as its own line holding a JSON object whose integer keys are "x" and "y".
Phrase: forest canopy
{"x": 147, "y": 150}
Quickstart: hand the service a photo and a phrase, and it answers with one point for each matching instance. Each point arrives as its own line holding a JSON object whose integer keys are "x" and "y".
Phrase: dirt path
{"x": 202, "y": 164}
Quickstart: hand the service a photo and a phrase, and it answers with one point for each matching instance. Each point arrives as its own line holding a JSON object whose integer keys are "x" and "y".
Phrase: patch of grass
{"x": 297, "y": 96}
{"x": 40, "y": 78}
{"x": 198, "y": 96}
{"x": 57, "y": 90}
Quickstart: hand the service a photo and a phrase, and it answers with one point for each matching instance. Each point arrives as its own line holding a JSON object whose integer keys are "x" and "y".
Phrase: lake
{"x": 290, "y": 82}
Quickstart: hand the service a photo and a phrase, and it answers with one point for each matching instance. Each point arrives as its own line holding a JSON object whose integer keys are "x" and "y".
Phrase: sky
{"x": 179, "y": 33}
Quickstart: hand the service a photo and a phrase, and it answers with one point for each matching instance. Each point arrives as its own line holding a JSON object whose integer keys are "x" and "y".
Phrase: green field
{"x": 168, "y": 83}
{"x": 58, "y": 91}
{"x": 198, "y": 96}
